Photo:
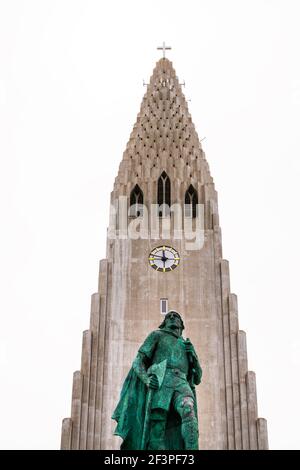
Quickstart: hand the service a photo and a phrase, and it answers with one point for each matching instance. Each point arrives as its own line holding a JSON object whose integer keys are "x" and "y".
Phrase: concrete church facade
{"x": 164, "y": 164}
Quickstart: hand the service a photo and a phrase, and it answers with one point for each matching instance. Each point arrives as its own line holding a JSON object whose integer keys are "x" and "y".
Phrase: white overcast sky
{"x": 71, "y": 75}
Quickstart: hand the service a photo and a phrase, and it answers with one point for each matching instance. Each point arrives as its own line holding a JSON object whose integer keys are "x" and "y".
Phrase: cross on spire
{"x": 164, "y": 48}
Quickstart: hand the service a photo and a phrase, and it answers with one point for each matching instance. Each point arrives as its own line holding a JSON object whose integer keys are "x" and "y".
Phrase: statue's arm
{"x": 143, "y": 360}
{"x": 195, "y": 364}
{"x": 197, "y": 370}
{"x": 140, "y": 369}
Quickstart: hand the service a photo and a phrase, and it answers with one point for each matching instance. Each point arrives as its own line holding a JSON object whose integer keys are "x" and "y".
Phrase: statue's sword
{"x": 159, "y": 370}
{"x": 191, "y": 377}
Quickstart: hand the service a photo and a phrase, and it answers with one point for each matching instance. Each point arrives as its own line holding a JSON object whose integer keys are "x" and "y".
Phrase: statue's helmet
{"x": 171, "y": 312}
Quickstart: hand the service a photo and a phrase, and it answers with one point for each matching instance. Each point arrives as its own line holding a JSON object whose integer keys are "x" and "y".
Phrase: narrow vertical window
{"x": 136, "y": 202}
{"x": 163, "y": 194}
{"x": 191, "y": 201}
{"x": 163, "y": 306}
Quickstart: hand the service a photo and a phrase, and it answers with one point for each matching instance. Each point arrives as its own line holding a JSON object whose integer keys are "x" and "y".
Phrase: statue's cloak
{"x": 130, "y": 416}
{"x": 130, "y": 412}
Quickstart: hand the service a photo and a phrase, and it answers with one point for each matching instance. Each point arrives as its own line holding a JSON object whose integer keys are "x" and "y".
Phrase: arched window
{"x": 136, "y": 202}
{"x": 163, "y": 194}
{"x": 191, "y": 201}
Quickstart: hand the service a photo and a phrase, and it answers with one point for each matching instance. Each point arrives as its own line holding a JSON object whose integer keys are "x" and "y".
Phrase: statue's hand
{"x": 153, "y": 382}
{"x": 189, "y": 348}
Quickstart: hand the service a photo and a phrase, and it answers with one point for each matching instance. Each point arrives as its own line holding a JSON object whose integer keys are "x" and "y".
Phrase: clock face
{"x": 164, "y": 258}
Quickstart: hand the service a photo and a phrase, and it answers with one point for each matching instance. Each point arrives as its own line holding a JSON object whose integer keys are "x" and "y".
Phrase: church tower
{"x": 164, "y": 251}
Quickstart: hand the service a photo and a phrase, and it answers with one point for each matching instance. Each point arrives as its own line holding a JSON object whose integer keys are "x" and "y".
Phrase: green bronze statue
{"x": 157, "y": 408}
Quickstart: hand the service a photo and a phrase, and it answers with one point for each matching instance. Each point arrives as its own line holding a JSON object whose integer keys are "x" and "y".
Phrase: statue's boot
{"x": 189, "y": 429}
{"x": 157, "y": 444}
{"x": 157, "y": 430}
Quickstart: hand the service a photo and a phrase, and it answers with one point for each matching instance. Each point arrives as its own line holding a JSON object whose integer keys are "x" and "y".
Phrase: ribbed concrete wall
{"x": 126, "y": 307}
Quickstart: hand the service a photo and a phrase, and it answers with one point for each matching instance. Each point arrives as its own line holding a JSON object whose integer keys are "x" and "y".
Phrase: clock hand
{"x": 164, "y": 259}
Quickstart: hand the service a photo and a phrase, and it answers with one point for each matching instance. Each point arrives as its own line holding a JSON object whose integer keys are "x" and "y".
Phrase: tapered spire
{"x": 164, "y": 136}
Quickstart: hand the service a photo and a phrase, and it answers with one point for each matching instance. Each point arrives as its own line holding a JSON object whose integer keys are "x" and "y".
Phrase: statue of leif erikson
{"x": 157, "y": 408}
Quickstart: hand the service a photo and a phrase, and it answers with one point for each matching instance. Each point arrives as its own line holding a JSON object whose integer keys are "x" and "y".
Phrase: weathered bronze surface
{"x": 157, "y": 408}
